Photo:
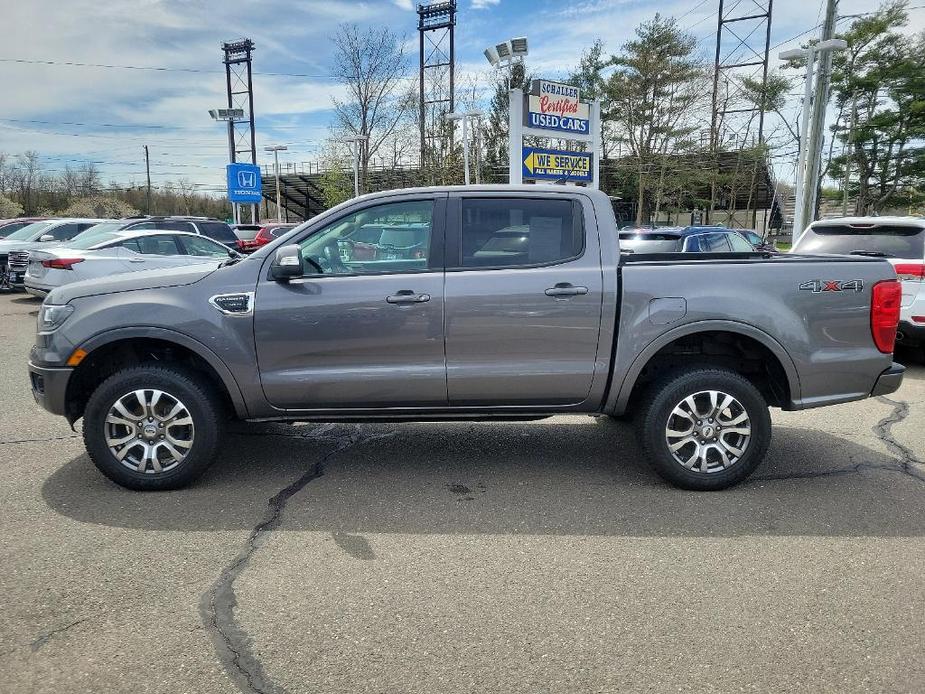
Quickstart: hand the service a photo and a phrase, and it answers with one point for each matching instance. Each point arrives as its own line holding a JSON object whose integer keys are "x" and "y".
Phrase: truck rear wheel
{"x": 153, "y": 427}
{"x": 704, "y": 430}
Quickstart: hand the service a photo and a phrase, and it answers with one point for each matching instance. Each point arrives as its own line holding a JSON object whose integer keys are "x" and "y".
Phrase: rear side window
{"x": 159, "y": 244}
{"x": 512, "y": 232}
{"x": 174, "y": 225}
{"x": 893, "y": 240}
{"x": 218, "y": 231}
{"x": 649, "y": 242}
{"x": 276, "y": 232}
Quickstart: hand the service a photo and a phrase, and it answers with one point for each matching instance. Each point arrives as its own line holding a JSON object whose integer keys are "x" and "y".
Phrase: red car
{"x": 253, "y": 236}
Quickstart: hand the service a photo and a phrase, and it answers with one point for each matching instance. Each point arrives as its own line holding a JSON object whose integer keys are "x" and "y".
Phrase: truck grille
{"x": 19, "y": 260}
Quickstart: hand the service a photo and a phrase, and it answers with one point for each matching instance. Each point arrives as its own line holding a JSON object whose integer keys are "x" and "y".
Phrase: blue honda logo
{"x": 244, "y": 183}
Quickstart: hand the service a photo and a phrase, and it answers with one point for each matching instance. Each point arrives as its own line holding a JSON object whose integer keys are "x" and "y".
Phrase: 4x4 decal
{"x": 817, "y": 286}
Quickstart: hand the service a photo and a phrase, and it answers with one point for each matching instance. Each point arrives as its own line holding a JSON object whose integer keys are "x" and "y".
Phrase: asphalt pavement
{"x": 464, "y": 557}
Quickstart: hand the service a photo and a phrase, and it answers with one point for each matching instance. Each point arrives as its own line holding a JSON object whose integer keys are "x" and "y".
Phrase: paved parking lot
{"x": 516, "y": 557}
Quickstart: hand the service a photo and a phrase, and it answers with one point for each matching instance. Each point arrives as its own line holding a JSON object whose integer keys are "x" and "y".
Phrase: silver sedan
{"x": 111, "y": 253}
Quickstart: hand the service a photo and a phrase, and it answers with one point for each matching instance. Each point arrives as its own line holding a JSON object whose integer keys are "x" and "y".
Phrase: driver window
{"x": 394, "y": 237}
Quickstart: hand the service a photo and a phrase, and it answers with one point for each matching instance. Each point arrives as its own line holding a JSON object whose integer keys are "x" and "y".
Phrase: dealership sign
{"x": 556, "y": 164}
{"x": 244, "y": 183}
{"x": 556, "y": 106}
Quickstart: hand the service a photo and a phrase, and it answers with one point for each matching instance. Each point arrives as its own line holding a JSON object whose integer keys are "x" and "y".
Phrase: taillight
{"x": 914, "y": 272}
{"x": 885, "y": 299}
{"x": 61, "y": 263}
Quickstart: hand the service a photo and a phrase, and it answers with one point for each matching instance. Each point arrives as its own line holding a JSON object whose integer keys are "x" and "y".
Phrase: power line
{"x": 153, "y": 68}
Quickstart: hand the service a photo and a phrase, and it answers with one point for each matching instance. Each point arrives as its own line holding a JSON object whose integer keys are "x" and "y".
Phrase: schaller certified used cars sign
{"x": 556, "y": 106}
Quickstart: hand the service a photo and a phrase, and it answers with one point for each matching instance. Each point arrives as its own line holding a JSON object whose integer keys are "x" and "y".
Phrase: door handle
{"x": 136, "y": 260}
{"x": 406, "y": 296}
{"x": 566, "y": 289}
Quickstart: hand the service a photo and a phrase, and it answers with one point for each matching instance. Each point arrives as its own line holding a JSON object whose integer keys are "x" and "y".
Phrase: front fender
{"x": 166, "y": 335}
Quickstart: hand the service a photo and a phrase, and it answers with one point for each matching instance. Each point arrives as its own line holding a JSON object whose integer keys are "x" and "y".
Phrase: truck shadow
{"x": 581, "y": 477}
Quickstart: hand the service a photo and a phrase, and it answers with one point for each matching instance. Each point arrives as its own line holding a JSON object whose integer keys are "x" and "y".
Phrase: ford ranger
{"x": 503, "y": 302}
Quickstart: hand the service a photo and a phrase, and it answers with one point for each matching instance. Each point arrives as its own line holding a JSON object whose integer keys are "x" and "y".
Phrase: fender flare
{"x": 618, "y": 403}
{"x": 166, "y": 335}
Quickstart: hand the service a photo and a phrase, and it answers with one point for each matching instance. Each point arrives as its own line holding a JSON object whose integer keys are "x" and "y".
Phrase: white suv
{"x": 901, "y": 240}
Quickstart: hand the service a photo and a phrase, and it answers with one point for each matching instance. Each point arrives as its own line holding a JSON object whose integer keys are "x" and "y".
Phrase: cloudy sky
{"x": 71, "y": 113}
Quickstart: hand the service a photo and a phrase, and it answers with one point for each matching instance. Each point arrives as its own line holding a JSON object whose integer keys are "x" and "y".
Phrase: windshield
{"x": 101, "y": 228}
{"x": 649, "y": 243}
{"x": 247, "y": 234}
{"x": 29, "y": 232}
{"x": 892, "y": 240}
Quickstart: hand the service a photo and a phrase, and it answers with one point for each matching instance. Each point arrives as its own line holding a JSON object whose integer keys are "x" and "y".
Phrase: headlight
{"x": 51, "y": 316}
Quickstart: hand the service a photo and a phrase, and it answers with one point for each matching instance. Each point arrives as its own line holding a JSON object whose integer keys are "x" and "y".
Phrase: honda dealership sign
{"x": 556, "y": 106}
{"x": 244, "y": 183}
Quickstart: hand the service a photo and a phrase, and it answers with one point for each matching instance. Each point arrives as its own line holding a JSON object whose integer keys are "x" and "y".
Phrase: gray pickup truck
{"x": 485, "y": 302}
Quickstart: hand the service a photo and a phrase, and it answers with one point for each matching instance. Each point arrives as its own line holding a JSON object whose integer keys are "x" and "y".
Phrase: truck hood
{"x": 132, "y": 281}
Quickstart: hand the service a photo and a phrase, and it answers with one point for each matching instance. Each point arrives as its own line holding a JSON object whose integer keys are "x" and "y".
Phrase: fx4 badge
{"x": 817, "y": 286}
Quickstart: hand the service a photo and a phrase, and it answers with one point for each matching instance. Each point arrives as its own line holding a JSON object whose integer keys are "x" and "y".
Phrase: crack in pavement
{"x": 232, "y": 643}
{"x": 40, "y": 440}
{"x": 883, "y": 431}
{"x": 42, "y": 639}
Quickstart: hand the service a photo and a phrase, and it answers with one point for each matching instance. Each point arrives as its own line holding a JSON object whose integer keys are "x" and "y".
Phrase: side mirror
{"x": 287, "y": 264}
{"x": 46, "y": 237}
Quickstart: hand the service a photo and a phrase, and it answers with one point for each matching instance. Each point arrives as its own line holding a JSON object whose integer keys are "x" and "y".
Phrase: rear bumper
{"x": 910, "y": 334}
{"x": 49, "y": 387}
{"x": 889, "y": 381}
{"x": 40, "y": 292}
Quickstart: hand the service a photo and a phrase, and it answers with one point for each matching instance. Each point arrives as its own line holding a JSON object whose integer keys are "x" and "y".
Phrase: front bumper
{"x": 889, "y": 381}
{"x": 49, "y": 386}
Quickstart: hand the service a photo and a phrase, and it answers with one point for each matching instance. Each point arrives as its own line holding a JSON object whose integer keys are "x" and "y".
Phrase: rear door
{"x": 523, "y": 299}
{"x": 157, "y": 251}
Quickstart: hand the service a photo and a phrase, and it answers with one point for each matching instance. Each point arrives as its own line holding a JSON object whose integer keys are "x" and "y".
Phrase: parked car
{"x": 901, "y": 240}
{"x": 116, "y": 252}
{"x": 215, "y": 229}
{"x": 253, "y": 236}
{"x": 8, "y": 226}
{"x": 696, "y": 346}
{"x": 692, "y": 239}
{"x": 14, "y": 249}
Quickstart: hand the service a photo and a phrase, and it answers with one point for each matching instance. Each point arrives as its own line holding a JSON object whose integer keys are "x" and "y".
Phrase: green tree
{"x": 652, "y": 96}
{"x": 9, "y": 208}
{"x": 496, "y": 130}
{"x": 878, "y": 85}
{"x": 100, "y": 206}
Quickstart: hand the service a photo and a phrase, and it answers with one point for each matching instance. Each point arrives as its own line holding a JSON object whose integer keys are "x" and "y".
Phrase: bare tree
{"x": 372, "y": 63}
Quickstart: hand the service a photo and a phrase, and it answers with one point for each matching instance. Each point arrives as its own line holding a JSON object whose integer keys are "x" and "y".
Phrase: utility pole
{"x": 148, "y": 173}
{"x": 850, "y": 154}
{"x": 276, "y": 149}
{"x": 464, "y": 117}
{"x": 355, "y": 144}
{"x": 820, "y": 102}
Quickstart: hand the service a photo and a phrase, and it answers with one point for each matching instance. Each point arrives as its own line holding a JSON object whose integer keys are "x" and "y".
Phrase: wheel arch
{"x": 629, "y": 388}
{"x": 104, "y": 348}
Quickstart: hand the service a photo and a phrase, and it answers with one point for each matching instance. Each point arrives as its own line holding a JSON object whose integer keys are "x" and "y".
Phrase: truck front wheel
{"x": 704, "y": 430}
{"x": 153, "y": 427}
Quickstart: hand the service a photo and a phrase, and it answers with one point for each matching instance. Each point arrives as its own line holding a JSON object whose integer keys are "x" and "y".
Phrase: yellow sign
{"x": 545, "y": 163}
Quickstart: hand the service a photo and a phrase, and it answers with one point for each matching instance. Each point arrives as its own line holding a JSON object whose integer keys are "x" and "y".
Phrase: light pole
{"x": 805, "y": 178}
{"x": 355, "y": 143}
{"x": 464, "y": 117}
{"x": 506, "y": 53}
{"x": 276, "y": 149}
{"x": 230, "y": 115}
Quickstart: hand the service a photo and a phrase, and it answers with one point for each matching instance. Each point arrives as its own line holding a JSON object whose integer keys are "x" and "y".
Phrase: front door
{"x": 363, "y": 328}
{"x": 524, "y": 296}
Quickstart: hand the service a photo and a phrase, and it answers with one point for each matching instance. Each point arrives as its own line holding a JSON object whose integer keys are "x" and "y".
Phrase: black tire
{"x": 192, "y": 390}
{"x": 654, "y": 417}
